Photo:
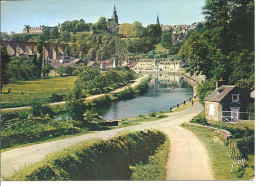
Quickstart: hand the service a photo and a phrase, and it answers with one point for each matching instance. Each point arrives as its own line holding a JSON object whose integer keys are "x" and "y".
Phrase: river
{"x": 160, "y": 96}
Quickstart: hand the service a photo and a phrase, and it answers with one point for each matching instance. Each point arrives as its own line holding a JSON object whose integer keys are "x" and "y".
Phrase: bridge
{"x": 18, "y": 48}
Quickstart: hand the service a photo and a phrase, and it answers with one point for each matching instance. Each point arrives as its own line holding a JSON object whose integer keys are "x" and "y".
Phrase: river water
{"x": 160, "y": 96}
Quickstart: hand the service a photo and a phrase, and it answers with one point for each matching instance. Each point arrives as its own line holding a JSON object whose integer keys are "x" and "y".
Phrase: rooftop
{"x": 219, "y": 93}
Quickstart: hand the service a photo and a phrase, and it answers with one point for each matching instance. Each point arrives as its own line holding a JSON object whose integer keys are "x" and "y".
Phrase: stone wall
{"x": 213, "y": 115}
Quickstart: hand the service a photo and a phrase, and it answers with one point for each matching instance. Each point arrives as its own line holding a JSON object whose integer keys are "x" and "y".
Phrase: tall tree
{"x": 102, "y": 24}
{"x": 166, "y": 39}
{"x": 39, "y": 48}
{"x": 54, "y": 34}
{"x": 4, "y": 70}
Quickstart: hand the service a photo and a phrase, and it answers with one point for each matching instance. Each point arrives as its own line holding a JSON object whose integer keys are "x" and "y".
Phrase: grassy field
{"x": 23, "y": 92}
{"x": 220, "y": 155}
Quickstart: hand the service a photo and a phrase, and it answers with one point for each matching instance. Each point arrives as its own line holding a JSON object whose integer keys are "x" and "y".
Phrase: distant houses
{"x": 159, "y": 65}
{"x": 227, "y": 103}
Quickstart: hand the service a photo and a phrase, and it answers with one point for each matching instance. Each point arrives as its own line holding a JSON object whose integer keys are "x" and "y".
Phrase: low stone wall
{"x": 223, "y": 132}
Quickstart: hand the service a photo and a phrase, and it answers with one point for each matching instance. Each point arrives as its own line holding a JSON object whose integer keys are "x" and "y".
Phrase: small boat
{"x": 173, "y": 87}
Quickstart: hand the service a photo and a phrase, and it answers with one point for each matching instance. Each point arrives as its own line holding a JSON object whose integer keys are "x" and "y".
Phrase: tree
{"x": 4, "y": 67}
{"x": 54, "y": 33}
{"x": 46, "y": 70}
{"x": 224, "y": 47}
{"x": 65, "y": 36}
{"x": 39, "y": 48}
{"x": 21, "y": 68}
{"x": 154, "y": 32}
{"x": 166, "y": 39}
{"x": 69, "y": 70}
{"x": 61, "y": 69}
{"x": 46, "y": 34}
{"x": 75, "y": 104}
{"x": 102, "y": 24}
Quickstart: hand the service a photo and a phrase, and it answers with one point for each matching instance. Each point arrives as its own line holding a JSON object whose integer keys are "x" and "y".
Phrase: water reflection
{"x": 160, "y": 96}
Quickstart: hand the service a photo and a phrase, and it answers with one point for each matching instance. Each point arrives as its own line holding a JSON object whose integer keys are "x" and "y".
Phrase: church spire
{"x": 157, "y": 21}
{"x": 114, "y": 16}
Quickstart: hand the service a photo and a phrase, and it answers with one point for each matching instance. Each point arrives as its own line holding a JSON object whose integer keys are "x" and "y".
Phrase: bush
{"x": 246, "y": 145}
{"x": 21, "y": 131}
{"x": 56, "y": 98}
{"x": 200, "y": 119}
{"x": 104, "y": 160}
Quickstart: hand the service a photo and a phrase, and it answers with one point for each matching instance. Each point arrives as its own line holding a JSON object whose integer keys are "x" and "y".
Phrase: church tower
{"x": 114, "y": 16}
{"x": 157, "y": 21}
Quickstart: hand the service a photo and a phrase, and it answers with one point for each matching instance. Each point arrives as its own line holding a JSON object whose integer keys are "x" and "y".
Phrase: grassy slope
{"x": 23, "y": 92}
{"x": 219, "y": 155}
{"x": 160, "y": 48}
{"x": 153, "y": 169}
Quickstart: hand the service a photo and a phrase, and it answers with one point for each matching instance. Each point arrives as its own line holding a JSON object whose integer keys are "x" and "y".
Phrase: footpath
{"x": 137, "y": 81}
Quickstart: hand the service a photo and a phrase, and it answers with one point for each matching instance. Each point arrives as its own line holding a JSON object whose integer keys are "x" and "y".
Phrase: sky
{"x": 16, "y": 14}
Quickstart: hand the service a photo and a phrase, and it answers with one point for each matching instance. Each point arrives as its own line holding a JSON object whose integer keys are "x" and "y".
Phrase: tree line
{"x": 93, "y": 41}
{"x": 225, "y": 46}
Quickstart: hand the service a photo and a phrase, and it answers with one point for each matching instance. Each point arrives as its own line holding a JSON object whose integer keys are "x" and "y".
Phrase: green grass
{"x": 155, "y": 168}
{"x": 219, "y": 155}
{"x": 160, "y": 48}
{"x": 24, "y": 92}
{"x": 97, "y": 160}
{"x": 142, "y": 118}
{"x": 240, "y": 125}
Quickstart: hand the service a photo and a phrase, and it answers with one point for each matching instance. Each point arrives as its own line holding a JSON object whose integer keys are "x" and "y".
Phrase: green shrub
{"x": 104, "y": 160}
{"x": 200, "y": 119}
{"x": 22, "y": 131}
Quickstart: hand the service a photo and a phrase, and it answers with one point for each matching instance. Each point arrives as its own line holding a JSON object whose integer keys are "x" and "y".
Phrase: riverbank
{"x": 90, "y": 98}
{"x": 16, "y": 159}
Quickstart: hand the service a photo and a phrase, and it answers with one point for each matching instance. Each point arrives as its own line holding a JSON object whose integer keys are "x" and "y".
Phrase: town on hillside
{"x": 120, "y": 90}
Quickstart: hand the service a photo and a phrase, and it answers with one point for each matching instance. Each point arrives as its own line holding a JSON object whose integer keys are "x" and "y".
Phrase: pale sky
{"x": 16, "y": 14}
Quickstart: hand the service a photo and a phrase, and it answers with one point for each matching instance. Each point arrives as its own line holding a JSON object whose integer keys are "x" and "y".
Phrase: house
{"x": 106, "y": 64}
{"x": 93, "y": 64}
{"x": 227, "y": 103}
{"x": 77, "y": 61}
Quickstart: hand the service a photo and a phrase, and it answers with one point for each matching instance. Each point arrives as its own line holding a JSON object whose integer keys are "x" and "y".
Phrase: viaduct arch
{"x": 48, "y": 48}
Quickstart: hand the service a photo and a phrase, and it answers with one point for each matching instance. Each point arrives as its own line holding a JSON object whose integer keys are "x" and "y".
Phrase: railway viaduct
{"x": 17, "y": 48}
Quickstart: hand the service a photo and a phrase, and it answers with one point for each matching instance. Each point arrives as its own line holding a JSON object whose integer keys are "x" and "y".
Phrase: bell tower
{"x": 114, "y": 16}
{"x": 157, "y": 20}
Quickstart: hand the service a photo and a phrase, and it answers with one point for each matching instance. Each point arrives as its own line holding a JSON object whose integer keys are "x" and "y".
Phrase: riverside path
{"x": 188, "y": 158}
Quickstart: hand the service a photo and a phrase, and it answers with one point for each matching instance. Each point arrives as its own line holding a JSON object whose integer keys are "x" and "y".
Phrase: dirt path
{"x": 188, "y": 158}
{"x": 137, "y": 81}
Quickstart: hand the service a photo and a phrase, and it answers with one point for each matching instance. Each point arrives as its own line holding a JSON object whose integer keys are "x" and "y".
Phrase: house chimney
{"x": 221, "y": 82}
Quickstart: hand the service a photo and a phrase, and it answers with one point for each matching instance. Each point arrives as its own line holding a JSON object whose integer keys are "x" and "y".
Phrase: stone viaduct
{"x": 17, "y": 48}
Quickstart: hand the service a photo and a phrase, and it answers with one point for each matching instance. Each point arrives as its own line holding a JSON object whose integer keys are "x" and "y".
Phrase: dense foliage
{"x": 93, "y": 81}
{"x": 4, "y": 66}
{"x": 104, "y": 160}
{"x": 225, "y": 46}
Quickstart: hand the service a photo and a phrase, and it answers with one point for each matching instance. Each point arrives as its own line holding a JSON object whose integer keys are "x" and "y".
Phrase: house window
{"x": 235, "y": 98}
{"x": 211, "y": 109}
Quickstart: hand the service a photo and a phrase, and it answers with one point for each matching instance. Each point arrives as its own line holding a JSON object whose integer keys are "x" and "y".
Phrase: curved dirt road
{"x": 188, "y": 158}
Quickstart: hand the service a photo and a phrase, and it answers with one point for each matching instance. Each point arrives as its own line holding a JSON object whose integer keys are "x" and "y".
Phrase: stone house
{"x": 226, "y": 103}
{"x": 93, "y": 64}
{"x": 171, "y": 66}
{"x": 78, "y": 61}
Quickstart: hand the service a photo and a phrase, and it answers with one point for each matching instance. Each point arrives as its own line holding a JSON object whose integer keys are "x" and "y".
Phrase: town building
{"x": 93, "y": 64}
{"x": 35, "y": 29}
{"x": 113, "y": 22}
{"x": 227, "y": 103}
{"x": 159, "y": 65}
{"x": 78, "y": 61}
